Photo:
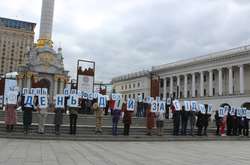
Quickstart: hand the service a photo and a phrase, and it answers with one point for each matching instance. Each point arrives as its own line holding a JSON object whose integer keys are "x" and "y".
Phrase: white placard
{"x": 169, "y": 101}
{"x": 12, "y": 97}
{"x": 44, "y": 91}
{"x": 90, "y": 96}
{"x": 60, "y": 101}
{"x": 29, "y": 100}
{"x": 187, "y": 105}
{"x": 73, "y": 100}
{"x": 102, "y": 101}
{"x": 239, "y": 112}
{"x": 25, "y": 91}
{"x": 221, "y": 112}
{"x": 244, "y": 112}
{"x": 79, "y": 94}
{"x": 177, "y": 105}
{"x": 226, "y": 109}
{"x": 118, "y": 104}
{"x": 232, "y": 111}
{"x": 202, "y": 108}
{"x": 66, "y": 91}
{"x": 162, "y": 106}
{"x": 154, "y": 106}
{"x": 95, "y": 95}
{"x": 131, "y": 105}
{"x": 85, "y": 83}
{"x": 194, "y": 106}
{"x": 42, "y": 101}
{"x": 149, "y": 100}
{"x": 139, "y": 98}
{"x": 116, "y": 96}
{"x": 209, "y": 109}
{"x": 33, "y": 91}
{"x": 248, "y": 114}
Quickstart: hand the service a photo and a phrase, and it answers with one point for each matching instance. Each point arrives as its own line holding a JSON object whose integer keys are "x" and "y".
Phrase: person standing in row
{"x": 192, "y": 120}
{"x": 42, "y": 115}
{"x": 217, "y": 122}
{"x": 99, "y": 117}
{"x": 184, "y": 120}
{"x": 73, "y": 115}
{"x": 58, "y": 118}
{"x": 127, "y": 119}
{"x": 160, "y": 116}
{"x": 150, "y": 121}
{"x": 27, "y": 109}
{"x": 176, "y": 120}
{"x": 10, "y": 111}
{"x": 116, "y": 113}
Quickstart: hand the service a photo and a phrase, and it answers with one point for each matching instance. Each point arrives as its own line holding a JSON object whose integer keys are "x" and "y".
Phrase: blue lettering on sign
{"x": 59, "y": 100}
{"x": 29, "y": 100}
{"x": 42, "y": 100}
{"x": 73, "y": 101}
{"x": 102, "y": 102}
{"x": 162, "y": 107}
{"x": 130, "y": 104}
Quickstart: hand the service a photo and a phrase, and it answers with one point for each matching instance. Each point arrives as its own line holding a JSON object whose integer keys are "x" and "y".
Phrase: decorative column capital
{"x": 29, "y": 74}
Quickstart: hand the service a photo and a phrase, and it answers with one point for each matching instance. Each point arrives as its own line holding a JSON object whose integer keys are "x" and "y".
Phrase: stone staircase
{"x": 86, "y": 130}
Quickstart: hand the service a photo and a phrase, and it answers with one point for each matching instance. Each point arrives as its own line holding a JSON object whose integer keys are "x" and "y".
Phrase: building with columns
{"x": 132, "y": 85}
{"x": 218, "y": 78}
{"x": 44, "y": 67}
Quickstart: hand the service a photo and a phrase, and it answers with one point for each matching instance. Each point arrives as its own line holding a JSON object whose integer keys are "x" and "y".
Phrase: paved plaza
{"x": 31, "y": 152}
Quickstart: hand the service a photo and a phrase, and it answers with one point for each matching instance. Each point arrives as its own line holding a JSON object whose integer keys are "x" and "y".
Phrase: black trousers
{"x": 126, "y": 129}
{"x": 184, "y": 126}
{"x": 73, "y": 119}
{"x": 57, "y": 128}
{"x": 217, "y": 129}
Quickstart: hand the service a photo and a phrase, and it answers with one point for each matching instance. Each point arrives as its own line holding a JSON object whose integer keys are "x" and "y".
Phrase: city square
{"x": 124, "y": 82}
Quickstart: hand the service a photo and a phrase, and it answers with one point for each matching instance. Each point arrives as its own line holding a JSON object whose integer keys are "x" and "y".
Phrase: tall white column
{"x": 211, "y": 83}
{"x": 242, "y": 85}
{"x": 61, "y": 86}
{"x": 46, "y": 22}
{"x": 185, "y": 86}
{"x": 220, "y": 81}
{"x": 28, "y": 82}
{"x": 164, "y": 88}
{"x": 230, "y": 81}
{"x": 193, "y": 84}
{"x": 178, "y": 86}
{"x": 201, "y": 84}
{"x": 171, "y": 86}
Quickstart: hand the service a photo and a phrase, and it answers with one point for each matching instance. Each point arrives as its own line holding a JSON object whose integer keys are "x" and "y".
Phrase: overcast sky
{"x": 124, "y": 36}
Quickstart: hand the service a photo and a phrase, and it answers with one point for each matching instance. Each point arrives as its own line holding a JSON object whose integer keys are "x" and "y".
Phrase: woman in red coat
{"x": 150, "y": 120}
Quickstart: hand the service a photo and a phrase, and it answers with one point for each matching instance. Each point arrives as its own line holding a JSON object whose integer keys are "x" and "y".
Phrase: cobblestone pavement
{"x": 34, "y": 152}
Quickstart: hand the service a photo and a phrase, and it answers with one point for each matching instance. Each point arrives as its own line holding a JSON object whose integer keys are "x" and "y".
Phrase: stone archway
{"x": 246, "y": 105}
{"x": 43, "y": 83}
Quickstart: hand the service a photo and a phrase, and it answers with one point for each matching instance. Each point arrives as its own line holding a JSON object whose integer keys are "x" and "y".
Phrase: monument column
{"x": 211, "y": 83}
{"x": 55, "y": 85}
{"x": 61, "y": 86}
{"x": 185, "y": 86}
{"x": 193, "y": 84}
{"x": 230, "y": 81}
{"x": 220, "y": 81}
{"x": 164, "y": 88}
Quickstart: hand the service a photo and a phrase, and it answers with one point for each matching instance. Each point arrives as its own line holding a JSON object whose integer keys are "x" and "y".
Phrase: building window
{"x": 161, "y": 95}
{"x": 138, "y": 85}
{"x": 122, "y": 87}
{"x": 188, "y": 93}
{"x": 133, "y": 96}
{"x": 205, "y": 92}
{"x": 168, "y": 83}
{"x": 125, "y": 97}
{"x": 133, "y": 85}
{"x": 213, "y": 77}
{"x": 129, "y": 86}
{"x": 181, "y": 96}
{"x": 213, "y": 91}
{"x": 129, "y": 96}
{"x": 196, "y": 93}
{"x": 162, "y": 83}
{"x": 126, "y": 86}
{"x": 205, "y": 78}
{"x": 142, "y": 95}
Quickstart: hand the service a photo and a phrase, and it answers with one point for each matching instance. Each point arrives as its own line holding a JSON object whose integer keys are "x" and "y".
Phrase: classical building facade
{"x": 132, "y": 85}
{"x": 15, "y": 38}
{"x": 217, "y": 78}
{"x": 44, "y": 67}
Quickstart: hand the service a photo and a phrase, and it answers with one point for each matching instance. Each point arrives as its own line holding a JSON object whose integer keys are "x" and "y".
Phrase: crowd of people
{"x": 184, "y": 122}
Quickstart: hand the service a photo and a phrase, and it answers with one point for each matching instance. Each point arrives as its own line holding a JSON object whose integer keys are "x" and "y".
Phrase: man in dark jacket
{"x": 176, "y": 120}
{"x": 184, "y": 120}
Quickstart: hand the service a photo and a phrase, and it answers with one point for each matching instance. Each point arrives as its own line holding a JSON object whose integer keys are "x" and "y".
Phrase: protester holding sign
{"x": 127, "y": 119}
{"x": 176, "y": 120}
{"x": 99, "y": 117}
{"x": 160, "y": 116}
{"x": 59, "y": 108}
{"x": 217, "y": 122}
{"x": 42, "y": 109}
{"x": 184, "y": 120}
{"x": 150, "y": 119}
{"x": 10, "y": 111}
{"x": 73, "y": 105}
{"x": 27, "y": 103}
{"x": 116, "y": 113}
